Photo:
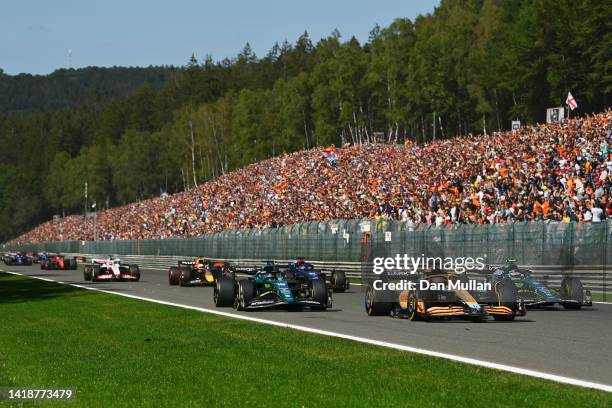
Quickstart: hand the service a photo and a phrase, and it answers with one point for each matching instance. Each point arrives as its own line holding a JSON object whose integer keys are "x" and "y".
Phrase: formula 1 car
{"x": 270, "y": 288}
{"x": 19, "y": 258}
{"x": 39, "y": 257}
{"x": 422, "y": 302}
{"x": 304, "y": 271}
{"x": 58, "y": 262}
{"x": 199, "y": 272}
{"x": 534, "y": 293}
{"x": 111, "y": 269}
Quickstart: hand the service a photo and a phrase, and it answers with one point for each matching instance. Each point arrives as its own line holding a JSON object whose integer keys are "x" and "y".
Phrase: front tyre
{"x": 135, "y": 272}
{"x": 571, "y": 289}
{"x": 339, "y": 281}
{"x": 375, "y": 305}
{"x": 507, "y": 296}
{"x": 246, "y": 293}
{"x": 319, "y": 293}
{"x": 224, "y": 292}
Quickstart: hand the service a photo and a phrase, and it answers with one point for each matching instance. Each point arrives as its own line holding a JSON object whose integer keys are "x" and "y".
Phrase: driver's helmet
{"x": 264, "y": 275}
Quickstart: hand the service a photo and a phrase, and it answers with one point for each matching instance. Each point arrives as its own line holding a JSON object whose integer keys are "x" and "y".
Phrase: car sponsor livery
{"x": 58, "y": 262}
{"x": 446, "y": 300}
{"x": 535, "y": 293}
{"x": 110, "y": 269}
{"x": 271, "y": 288}
{"x": 198, "y": 272}
{"x": 304, "y": 271}
{"x": 18, "y": 258}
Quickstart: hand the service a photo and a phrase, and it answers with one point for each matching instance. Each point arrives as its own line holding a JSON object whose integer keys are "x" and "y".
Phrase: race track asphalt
{"x": 576, "y": 344}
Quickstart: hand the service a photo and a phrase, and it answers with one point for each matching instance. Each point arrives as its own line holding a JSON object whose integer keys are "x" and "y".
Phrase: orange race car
{"x": 443, "y": 295}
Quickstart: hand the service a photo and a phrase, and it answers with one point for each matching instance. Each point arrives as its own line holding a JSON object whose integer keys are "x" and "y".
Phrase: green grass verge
{"x": 600, "y": 297}
{"x": 122, "y": 352}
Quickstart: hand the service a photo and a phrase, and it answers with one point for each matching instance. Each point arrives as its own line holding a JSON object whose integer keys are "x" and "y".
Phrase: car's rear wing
{"x": 220, "y": 265}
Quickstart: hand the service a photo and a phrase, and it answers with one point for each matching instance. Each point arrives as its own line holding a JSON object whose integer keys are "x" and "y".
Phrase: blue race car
{"x": 40, "y": 257}
{"x": 534, "y": 293}
{"x": 270, "y": 288}
{"x": 17, "y": 259}
{"x": 303, "y": 271}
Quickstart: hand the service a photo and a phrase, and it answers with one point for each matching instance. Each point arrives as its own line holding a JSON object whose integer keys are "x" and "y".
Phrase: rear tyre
{"x": 339, "y": 281}
{"x": 571, "y": 288}
{"x": 375, "y": 305}
{"x": 88, "y": 273}
{"x": 224, "y": 292}
{"x": 246, "y": 293}
{"x": 184, "y": 276}
{"x": 290, "y": 275}
{"x": 135, "y": 272}
{"x": 507, "y": 295}
{"x": 95, "y": 272}
{"x": 318, "y": 291}
{"x": 73, "y": 264}
{"x": 173, "y": 275}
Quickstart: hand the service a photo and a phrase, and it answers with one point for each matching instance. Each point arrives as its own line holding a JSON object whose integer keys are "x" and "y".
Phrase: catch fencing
{"x": 551, "y": 249}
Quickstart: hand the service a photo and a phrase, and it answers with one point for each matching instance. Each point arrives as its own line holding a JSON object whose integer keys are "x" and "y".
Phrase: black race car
{"x": 199, "y": 272}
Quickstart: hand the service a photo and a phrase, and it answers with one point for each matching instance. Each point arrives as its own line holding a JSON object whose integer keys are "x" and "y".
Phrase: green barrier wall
{"x": 560, "y": 244}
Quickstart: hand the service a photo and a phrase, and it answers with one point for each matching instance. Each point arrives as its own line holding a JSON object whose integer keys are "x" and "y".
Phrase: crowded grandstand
{"x": 550, "y": 172}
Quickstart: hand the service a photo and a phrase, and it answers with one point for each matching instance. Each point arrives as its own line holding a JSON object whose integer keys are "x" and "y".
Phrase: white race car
{"x": 110, "y": 269}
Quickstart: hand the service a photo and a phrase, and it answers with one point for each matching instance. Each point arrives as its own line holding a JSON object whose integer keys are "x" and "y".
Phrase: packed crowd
{"x": 559, "y": 172}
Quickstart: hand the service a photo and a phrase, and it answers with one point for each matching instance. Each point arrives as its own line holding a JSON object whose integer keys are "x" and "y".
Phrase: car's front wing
{"x": 115, "y": 277}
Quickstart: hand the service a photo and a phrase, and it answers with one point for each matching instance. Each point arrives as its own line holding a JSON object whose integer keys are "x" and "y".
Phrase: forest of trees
{"x": 471, "y": 64}
{"x": 68, "y": 88}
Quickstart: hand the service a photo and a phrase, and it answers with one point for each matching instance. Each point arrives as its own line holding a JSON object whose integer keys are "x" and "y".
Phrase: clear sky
{"x": 36, "y": 35}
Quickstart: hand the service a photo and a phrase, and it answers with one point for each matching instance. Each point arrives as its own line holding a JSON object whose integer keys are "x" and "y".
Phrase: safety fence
{"x": 552, "y": 249}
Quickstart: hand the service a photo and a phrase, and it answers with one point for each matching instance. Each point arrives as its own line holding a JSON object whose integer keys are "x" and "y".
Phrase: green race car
{"x": 534, "y": 293}
{"x": 270, "y": 288}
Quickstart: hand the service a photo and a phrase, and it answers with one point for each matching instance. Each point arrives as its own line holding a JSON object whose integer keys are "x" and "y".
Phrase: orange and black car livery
{"x": 500, "y": 302}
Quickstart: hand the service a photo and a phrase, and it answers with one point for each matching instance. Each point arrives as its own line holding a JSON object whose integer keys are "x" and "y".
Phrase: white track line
{"x": 431, "y": 353}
